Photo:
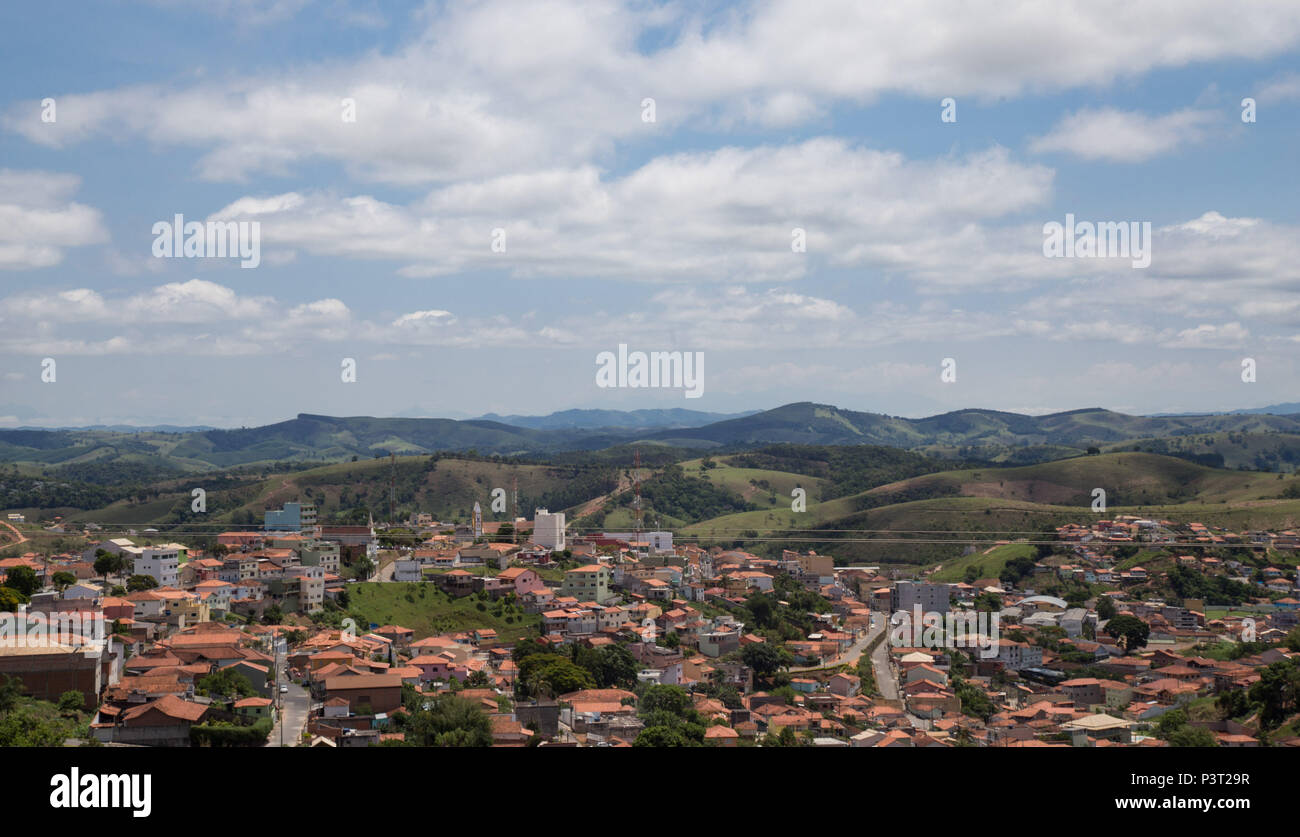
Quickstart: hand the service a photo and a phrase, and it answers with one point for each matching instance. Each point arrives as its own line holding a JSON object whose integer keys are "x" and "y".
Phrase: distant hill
{"x": 1290, "y": 408}
{"x": 1251, "y": 440}
{"x": 813, "y": 424}
{"x": 595, "y": 419}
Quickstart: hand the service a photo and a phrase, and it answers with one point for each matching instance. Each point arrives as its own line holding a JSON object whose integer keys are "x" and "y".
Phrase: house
{"x": 254, "y": 708}
{"x": 521, "y": 580}
{"x": 377, "y": 693}
{"x": 164, "y": 722}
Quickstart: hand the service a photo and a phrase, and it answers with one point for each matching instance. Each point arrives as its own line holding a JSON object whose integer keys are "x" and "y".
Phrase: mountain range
{"x": 1234, "y": 439}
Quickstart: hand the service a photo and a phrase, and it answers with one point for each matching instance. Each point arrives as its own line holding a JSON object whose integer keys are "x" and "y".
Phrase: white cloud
{"x": 39, "y": 221}
{"x": 1282, "y": 88}
{"x": 1207, "y": 336}
{"x": 724, "y": 215}
{"x": 487, "y": 88}
{"x": 1123, "y": 136}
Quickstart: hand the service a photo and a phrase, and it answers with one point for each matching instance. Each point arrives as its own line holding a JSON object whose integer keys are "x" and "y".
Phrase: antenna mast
{"x": 636, "y": 501}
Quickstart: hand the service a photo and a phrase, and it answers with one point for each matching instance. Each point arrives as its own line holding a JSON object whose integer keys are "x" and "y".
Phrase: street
{"x": 296, "y": 706}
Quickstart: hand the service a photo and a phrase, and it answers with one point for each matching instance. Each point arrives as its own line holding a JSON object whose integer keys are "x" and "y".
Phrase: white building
{"x": 1018, "y": 655}
{"x": 659, "y": 542}
{"x": 548, "y": 529}
{"x": 163, "y": 563}
{"x": 408, "y": 569}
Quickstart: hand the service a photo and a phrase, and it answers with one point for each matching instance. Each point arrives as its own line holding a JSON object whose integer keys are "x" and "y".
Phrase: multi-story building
{"x": 323, "y": 554}
{"x": 163, "y": 563}
{"x": 587, "y": 584}
{"x": 293, "y": 517}
{"x": 905, "y": 595}
{"x": 548, "y": 529}
{"x": 1018, "y": 655}
{"x": 311, "y": 587}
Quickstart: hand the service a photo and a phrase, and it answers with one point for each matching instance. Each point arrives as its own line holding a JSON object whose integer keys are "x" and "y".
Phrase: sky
{"x": 460, "y": 206}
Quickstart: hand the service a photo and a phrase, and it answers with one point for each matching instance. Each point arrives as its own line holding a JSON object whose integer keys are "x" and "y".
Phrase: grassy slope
{"x": 990, "y": 562}
{"x": 741, "y": 481}
{"x": 435, "y": 613}
{"x": 1018, "y": 502}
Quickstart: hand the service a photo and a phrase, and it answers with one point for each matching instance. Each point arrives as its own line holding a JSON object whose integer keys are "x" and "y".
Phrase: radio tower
{"x": 514, "y": 507}
{"x": 636, "y": 499}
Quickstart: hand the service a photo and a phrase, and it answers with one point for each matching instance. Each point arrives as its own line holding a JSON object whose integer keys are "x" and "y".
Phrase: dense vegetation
{"x": 850, "y": 469}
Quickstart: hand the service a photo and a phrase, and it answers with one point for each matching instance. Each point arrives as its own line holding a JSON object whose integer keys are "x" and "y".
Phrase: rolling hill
{"x": 1237, "y": 440}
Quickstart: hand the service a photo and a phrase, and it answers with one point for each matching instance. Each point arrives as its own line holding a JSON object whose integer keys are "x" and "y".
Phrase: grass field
{"x": 763, "y": 487}
{"x": 990, "y": 562}
{"x": 435, "y": 612}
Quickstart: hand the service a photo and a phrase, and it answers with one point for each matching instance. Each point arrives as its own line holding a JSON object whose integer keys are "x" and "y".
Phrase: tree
{"x": 140, "y": 583}
{"x": 364, "y": 567}
{"x": 106, "y": 563}
{"x": 784, "y": 738}
{"x": 551, "y": 674}
{"x": 10, "y": 599}
{"x": 763, "y": 657}
{"x": 663, "y": 736}
{"x": 1106, "y": 608}
{"x": 23, "y": 579}
{"x": 450, "y": 721}
{"x": 666, "y": 698}
{"x": 1233, "y": 703}
{"x": 1170, "y": 722}
{"x": 1190, "y": 736}
{"x": 63, "y": 580}
{"x": 1132, "y": 631}
{"x": 72, "y": 701}
{"x": 11, "y": 688}
{"x": 1277, "y": 692}
{"x": 226, "y": 683}
{"x": 611, "y": 666}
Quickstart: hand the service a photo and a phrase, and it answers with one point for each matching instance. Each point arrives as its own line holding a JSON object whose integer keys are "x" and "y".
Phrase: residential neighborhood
{"x": 1117, "y": 632}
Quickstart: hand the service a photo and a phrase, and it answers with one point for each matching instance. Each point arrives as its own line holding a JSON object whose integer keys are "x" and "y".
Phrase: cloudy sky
{"x": 643, "y": 169}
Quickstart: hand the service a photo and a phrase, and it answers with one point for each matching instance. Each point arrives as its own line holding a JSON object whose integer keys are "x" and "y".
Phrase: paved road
{"x": 849, "y": 657}
{"x": 885, "y": 681}
{"x": 296, "y": 706}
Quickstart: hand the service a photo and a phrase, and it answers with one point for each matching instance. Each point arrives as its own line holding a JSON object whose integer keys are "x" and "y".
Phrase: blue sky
{"x": 924, "y": 237}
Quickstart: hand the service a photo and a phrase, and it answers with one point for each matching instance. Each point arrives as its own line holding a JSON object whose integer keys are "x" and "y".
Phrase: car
{"x": 284, "y": 689}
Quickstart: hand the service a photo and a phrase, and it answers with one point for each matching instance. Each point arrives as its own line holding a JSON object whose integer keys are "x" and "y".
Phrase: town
{"x": 1111, "y": 632}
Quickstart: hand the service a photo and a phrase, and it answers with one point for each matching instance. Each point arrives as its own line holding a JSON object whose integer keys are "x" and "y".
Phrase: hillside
{"x": 910, "y": 521}
{"x": 444, "y": 487}
{"x": 1236, "y": 440}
